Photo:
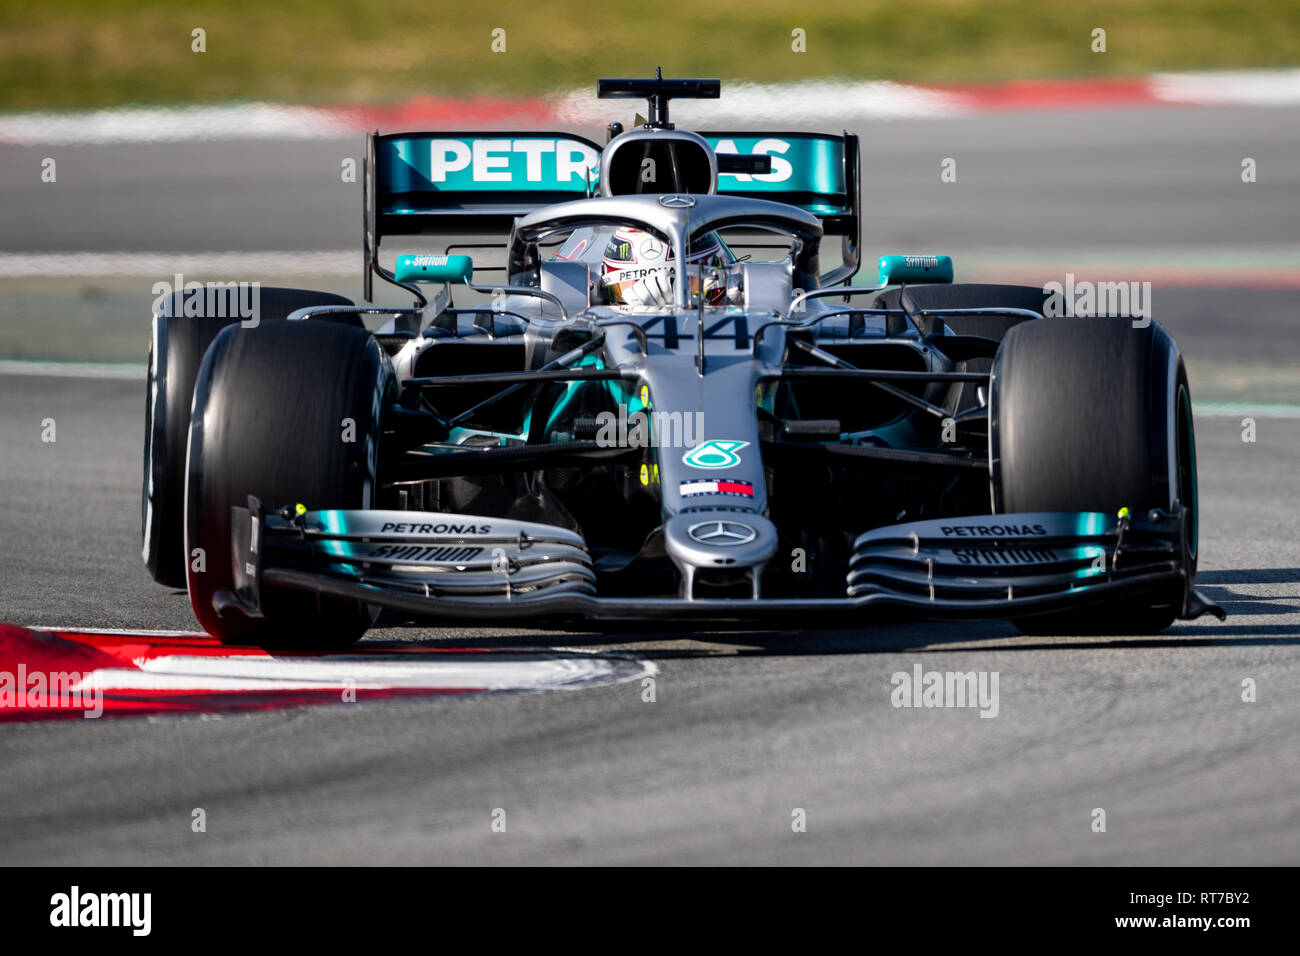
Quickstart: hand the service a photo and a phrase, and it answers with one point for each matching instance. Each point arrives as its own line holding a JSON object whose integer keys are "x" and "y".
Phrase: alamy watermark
{"x": 922, "y": 688}
{"x": 50, "y": 690}
{"x": 645, "y": 429}
{"x": 130, "y": 910}
{"x": 1085, "y": 298}
{"x": 224, "y": 300}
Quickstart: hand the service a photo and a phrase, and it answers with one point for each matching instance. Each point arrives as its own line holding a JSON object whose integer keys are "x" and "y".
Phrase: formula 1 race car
{"x": 663, "y": 408}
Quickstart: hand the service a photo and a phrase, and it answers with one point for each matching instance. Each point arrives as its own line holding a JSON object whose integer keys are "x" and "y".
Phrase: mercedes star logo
{"x": 677, "y": 201}
{"x": 724, "y": 533}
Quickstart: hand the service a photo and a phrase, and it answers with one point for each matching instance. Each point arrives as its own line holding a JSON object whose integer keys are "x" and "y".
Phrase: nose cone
{"x": 702, "y": 540}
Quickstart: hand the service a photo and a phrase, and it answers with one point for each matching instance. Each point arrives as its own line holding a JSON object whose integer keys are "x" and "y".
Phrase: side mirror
{"x": 412, "y": 268}
{"x": 915, "y": 270}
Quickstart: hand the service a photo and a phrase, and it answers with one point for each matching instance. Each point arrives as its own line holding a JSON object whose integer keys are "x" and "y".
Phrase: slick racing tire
{"x": 176, "y": 349}
{"x": 1093, "y": 414}
{"x": 288, "y": 412}
{"x": 972, "y": 296}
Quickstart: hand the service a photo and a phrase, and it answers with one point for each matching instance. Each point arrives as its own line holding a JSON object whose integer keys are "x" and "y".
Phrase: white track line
{"x": 173, "y": 125}
{"x": 123, "y": 372}
{"x": 164, "y": 265}
{"x": 1245, "y": 409}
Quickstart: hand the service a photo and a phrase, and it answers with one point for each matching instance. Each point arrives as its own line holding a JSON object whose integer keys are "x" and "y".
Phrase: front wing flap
{"x": 988, "y": 555}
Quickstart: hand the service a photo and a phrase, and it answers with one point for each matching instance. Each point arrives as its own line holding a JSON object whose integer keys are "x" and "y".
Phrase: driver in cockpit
{"x": 638, "y": 269}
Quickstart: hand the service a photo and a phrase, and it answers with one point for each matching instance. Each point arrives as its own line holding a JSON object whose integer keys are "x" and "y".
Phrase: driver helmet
{"x": 633, "y": 255}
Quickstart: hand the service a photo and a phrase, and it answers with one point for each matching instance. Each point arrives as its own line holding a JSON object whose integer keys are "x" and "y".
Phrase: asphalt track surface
{"x": 746, "y": 726}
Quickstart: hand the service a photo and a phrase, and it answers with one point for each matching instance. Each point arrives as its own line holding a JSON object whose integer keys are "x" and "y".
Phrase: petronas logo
{"x": 715, "y": 453}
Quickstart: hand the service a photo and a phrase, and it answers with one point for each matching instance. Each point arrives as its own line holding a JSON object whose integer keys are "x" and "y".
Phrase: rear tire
{"x": 1092, "y": 414}
{"x": 270, "y": 419}
{"x": 176, "y": 349}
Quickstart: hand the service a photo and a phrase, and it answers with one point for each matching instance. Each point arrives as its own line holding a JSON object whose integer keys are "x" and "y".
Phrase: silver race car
{"x": 659, "y": 402}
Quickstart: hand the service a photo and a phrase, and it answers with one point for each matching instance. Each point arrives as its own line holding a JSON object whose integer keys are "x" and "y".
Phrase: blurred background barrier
{"x": 89, "y": 53}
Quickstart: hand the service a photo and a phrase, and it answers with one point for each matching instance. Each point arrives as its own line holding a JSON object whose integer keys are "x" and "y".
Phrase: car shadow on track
{"x": 653, "y": 639}
{"x": 873, "y": 640}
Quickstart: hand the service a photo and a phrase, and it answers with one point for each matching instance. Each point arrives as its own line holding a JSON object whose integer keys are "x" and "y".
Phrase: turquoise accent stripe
{"x": 336, "y": 523}
{"x": 1247, "y": 409}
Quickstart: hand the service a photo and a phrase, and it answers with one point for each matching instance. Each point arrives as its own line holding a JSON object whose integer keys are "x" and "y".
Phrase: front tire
{"x": 1093, "y": 414}
{"x": 176, "y": 348}
{"x": 289, "y": 412}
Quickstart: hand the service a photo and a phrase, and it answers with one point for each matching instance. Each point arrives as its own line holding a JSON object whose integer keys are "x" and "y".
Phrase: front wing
{"x": 462, "y": 567}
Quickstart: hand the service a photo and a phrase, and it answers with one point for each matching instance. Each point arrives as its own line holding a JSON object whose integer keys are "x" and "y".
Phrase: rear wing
{"x": 450, "y": 184}
{"x": 447, "y": 184}
{"x": 817, "y": 172}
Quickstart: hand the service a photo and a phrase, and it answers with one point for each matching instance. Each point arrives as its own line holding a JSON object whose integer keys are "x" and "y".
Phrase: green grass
{"x": 78, "y": 53}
